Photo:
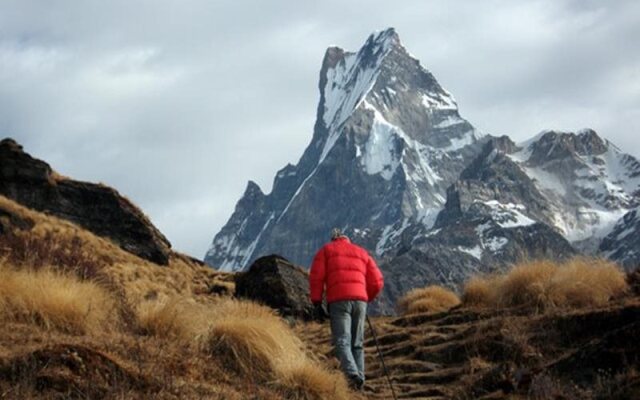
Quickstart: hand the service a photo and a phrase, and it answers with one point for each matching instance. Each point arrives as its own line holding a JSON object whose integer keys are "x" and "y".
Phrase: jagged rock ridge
{"x": 97, "y": 208}
{"x": 387, "y": 142}
{"x": 394, "y": 164}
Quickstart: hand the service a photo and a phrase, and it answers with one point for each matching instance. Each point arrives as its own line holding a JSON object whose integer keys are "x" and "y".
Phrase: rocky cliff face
{"x": 588, "y": 182}
{"x": 394, "y": 164}
{"x": 387, "y": 142}
{"x": 97, "y": 208}
{"x": 623, "y": 243}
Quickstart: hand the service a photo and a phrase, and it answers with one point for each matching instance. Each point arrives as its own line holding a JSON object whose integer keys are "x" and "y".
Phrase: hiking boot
{"x": 356, "y": 383}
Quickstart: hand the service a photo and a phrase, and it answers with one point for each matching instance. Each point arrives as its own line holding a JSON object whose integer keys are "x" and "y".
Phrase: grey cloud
{"x": 178, "y": 104}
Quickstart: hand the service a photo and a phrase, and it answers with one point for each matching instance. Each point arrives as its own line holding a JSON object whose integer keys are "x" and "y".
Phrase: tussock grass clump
{"x": 55, "y": 301}
{"x": 245, "y": 338}
{"x": 174, "y": 318}
{"x": 59, "y": 244}
{"x": 478, "y": 291}
{"x": 579, "y": 282}
{"x": 252, "y": 348}
{"x": 429, "y": 299}
{"x": 310, "y": 382}
{"x": 253, "y": 342}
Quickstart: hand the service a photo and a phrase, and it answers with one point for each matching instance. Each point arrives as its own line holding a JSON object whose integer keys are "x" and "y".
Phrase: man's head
{"x": 336, "y": 233}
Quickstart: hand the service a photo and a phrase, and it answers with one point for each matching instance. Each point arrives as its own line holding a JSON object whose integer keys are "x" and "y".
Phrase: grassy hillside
{"x": 82, "y": 318}
{"x": 540, "y": 331}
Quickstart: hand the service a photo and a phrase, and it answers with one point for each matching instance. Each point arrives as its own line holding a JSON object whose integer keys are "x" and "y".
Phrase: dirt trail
{"x": 469, "y": 354}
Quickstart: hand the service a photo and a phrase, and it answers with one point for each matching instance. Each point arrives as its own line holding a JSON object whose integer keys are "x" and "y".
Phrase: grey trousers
{"x": 347, "y": 332}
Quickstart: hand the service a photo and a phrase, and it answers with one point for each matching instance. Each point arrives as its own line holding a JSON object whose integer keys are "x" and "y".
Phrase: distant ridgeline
{"x": 393, "y": 163}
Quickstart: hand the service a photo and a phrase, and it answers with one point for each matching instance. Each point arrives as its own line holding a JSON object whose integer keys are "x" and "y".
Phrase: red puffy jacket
{"x": 346, "y": 270}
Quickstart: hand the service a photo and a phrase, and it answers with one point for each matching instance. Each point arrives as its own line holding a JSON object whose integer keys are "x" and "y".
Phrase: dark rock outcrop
{"x": 10, "y": 220}
{"x": 275, "y": 282}
{"x": 97, "y": 208}
{"x": 622, "y": 245}
{"x": 387, "y": 142}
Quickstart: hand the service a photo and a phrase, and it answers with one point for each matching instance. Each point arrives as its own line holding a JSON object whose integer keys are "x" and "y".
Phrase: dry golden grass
{"x": 579, "y": 282}
{"x": 478, "y": 291}
{"x": 178, "y": 319}
{"x": 172, "y": 309}
{"x": 253, "y": 342}
{"x": 245, "y": 338}
{"x": 65, "y": 246}
{"x": 58, "y": 177}
{"x": 309, "y": 381}
{"x": 58, "y": 243}
{"x": 55, "y": 301}
{"x": 429, "y": 299}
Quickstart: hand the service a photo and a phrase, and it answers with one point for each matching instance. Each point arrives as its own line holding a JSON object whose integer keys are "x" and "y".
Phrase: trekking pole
{"x": 384, "y": 367}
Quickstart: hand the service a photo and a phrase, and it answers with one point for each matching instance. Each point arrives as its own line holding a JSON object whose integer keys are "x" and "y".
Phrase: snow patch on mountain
{"x": 508, "y": 215}
{"x": 458, "y": 143}
{"x": 495, "y": 244}
{"x": 389, "y": 235}
{"x": 622, "y": 245}
{"x": 475, "y": 251}
{"x": 238, "y": 254}
{"x": 449, "y": 121}
{"x": 348, "y": 83}
{"x": 491, "y": 243}
{"x": 297, "y": 192}
{"x": 439, "y": 101}
{"x": 589, "y": 200}
{"x": 379, "y": 156}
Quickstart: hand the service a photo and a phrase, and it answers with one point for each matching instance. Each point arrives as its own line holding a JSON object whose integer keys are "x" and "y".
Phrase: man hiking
{"x": 351, "y": 279}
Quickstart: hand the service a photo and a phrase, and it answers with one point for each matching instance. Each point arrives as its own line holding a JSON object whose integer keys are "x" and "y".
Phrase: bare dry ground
{"x": 518, "y": 350}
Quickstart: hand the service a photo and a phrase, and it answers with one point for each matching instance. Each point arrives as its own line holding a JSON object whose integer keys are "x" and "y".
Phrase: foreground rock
{"x": 274, "y": 281}
{"x": 97, "y": 208}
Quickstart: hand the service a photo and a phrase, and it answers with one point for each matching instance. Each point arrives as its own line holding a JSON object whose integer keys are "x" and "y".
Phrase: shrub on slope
{"x": 428, "y": 299}
{"x": 248, "y": 340}
{"x": 174, "y": 318}
{"x": 579, "y": 282}
{"x": 55, "y": 301}
{"x": 253, "y": 342}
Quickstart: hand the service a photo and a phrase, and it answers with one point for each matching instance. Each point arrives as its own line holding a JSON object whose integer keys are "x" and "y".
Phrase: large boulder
{"x": 95, "y": 207}
{"x": 277, "y": 283}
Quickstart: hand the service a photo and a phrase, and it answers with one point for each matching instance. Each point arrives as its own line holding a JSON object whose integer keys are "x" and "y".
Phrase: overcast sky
{"x": 177, "y": 104}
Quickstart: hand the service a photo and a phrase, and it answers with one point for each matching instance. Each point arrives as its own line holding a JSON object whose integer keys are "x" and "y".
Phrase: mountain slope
{"x": 387, "y": 142}
{"x": 471, "y": 353}
{"x": 393, "y": 163}
{"x": 95, "y": 207}
{"x": 623, "y": 243}
{"x": 589, "y": 183}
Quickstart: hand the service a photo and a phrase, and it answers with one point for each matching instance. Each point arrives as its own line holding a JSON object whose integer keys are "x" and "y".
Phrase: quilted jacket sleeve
{"x": 317, "y": 276}
{"x": 375, "y": 281}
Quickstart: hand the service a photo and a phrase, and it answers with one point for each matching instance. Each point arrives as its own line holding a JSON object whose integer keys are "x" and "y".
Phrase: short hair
{"x": 336, "y": 233}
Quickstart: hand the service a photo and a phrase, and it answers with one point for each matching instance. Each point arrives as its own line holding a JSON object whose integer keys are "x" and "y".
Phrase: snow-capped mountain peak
{"x": 387, "y": 142}
{"x": 348, "y": 80}
{"x": 589, "y": 182}
{"x": 394, "y": 164}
